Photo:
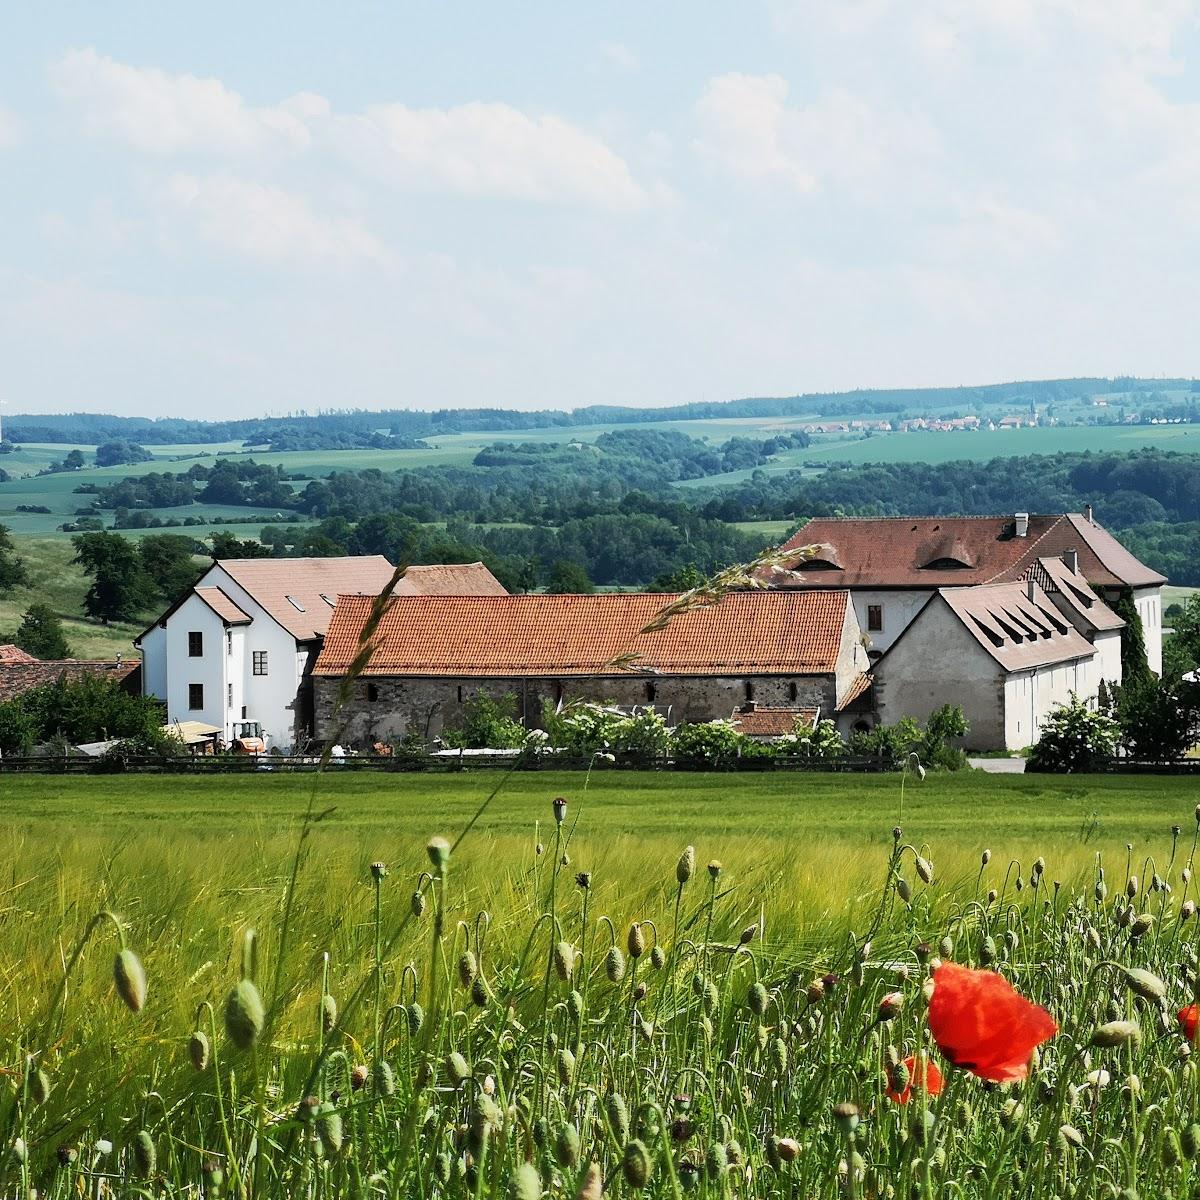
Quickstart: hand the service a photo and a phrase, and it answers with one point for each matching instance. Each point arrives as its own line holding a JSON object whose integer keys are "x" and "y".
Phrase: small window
{"x": 229, "y": 700}
{"x": 195, "y": 696}
{"x": 243, "y": 712}
{"x": 260, "y": 662}
{"x": 229, "y": 641}
{"x": 749, "y": 690}
{"x": 874, "y": 618}
{"x": 793, "y": 691}
{"x": 372, "y": 692}
{"x": 195, "y": 644}
{"x": 329, "y": 600}
{"x": 294, "y": 603}
{"x": 651, "y": 691}
{"x": 460, "y": 693}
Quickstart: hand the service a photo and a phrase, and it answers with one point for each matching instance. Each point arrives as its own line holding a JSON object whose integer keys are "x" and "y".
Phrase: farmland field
{"x": 718, "y": 1080}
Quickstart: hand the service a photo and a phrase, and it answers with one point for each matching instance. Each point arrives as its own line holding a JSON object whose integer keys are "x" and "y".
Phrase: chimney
{"x": 750, "y": 706}
{"x": 1071, "y": 559}
{"x": 1022, "y": 524}
{"x": 1029, "y": 589}
{"x": 1087, "y": 514}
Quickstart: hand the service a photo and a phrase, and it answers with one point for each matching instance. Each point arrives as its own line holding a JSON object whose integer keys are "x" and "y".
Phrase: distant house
{"x": 893, "y": 565}
{"x": 432, "y": 655}
{"x": 239, "y": 645}
{"x": 766, "y": 724}
{"x": 21, "y": 672}
{"x": 1006, "y": 653}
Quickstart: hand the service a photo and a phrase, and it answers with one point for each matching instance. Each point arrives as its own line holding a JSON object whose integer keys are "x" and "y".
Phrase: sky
{"x": 236, "y": 209}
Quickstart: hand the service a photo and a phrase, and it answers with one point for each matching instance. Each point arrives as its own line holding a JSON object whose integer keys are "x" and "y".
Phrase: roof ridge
{"x": 1032, "y": 547}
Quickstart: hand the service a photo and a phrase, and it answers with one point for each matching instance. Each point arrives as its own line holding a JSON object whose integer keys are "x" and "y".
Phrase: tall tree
{"x": 568, "y": 578}
{"x": 1135, "y": 669}
{"x": 120, "y": 589}
{"x": 12, "y": 568}
{"x": 41, "y": 633}
{"x": 169, "y": 562}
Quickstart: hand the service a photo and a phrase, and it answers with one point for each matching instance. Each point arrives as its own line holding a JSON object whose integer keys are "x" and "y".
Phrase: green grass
{"x": 54, "y": 580}
{"x": 808, "y": 867}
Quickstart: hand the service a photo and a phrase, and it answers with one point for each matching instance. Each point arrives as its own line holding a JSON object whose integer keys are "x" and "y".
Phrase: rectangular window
{"x": 260, "y": 662}
{"x": 229, "y": 641}
{"x": 229, "y": 702}
{"x": 874, "y": 618}
{"x": 195, "y": 696}
{"x": 195, "y": 644}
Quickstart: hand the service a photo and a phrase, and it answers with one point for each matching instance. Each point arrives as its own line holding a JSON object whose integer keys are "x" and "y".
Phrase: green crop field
{"x": 338, "y": 1005}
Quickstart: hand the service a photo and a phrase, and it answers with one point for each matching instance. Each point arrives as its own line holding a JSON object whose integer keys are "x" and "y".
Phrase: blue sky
{"x": 233, "y": 209}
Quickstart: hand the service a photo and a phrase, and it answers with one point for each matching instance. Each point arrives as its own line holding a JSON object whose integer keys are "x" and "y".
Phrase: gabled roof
{"x": 758, "y": 721}
{"x": 1018, "y": 631}
{"x": 746, "y": 633}
{"x": 299, "y": 593}
{"x": 1085, "y": 610}
{"x": 920, "y": 551}
{"x": 18, "y": 678}
{"x": 449, "y": 579}
{"x": 858, "y": 688}
{"x": 221, "y": 604}
{"x": 14, "y": 654}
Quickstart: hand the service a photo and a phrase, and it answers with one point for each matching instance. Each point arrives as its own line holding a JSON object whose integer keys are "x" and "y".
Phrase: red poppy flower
{"x": 926, "y": 1076}
{"x": 982, "y": 1025}
{"x": 1188, "y": 1019}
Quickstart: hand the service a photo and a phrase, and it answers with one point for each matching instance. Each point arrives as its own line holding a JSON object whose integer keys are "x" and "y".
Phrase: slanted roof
{"x": 14, "y": 654}
{"x": 1086, "y": 611}
{"x": 757, "y": 721}
{"x": 904, "y": 552}
{"x": 18, "y": 678}
{"x": 1019, "y": 632}
{"x": 859, "y": 687}
{"x": 746, "y": 633}
{"x": 449, "y": 579}
{"x": 299, "y": 593}
{"x": 222, "y": 605}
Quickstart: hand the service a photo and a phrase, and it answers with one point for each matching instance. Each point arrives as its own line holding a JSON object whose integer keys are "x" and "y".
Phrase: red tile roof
{"x": 1018, "y": 632}
{"x": 449, "y": 579}
{"x": 747, "y": 633}
{"x": 14, "y": 654}
{"x": 221, "y": 604}
{"x": 901, "y": 551}
{"x": 18, "y": 678}
{"x": 1086, "y": 611}
{"x": 859, "y": 687}
{"x": 294, "y": 590}
{"x": 771, "y": 722}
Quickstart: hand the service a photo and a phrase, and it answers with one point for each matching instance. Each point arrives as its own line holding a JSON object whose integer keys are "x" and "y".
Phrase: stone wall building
{"x": 431, "y": 655}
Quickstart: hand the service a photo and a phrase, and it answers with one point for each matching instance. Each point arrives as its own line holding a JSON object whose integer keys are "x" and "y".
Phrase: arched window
{"x": 793, "y": 690}
{"x": 651, "y": 691}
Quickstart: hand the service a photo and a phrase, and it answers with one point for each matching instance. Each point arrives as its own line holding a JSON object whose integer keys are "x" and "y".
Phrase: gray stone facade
{"x": 389, "y": 709}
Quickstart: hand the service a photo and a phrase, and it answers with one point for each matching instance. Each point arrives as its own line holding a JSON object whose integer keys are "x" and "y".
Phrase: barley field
{"x": 721, "y": 985}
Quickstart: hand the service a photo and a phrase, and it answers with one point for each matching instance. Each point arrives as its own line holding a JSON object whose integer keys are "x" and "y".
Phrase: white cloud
{"x": 12, "y": 130}
{"x": 160, "y": 113}
{"x": 490, "y": 149}
{"x": 268, "y": 223}
{"x": 748, "y": 129}
{"x": 618, "y": 55}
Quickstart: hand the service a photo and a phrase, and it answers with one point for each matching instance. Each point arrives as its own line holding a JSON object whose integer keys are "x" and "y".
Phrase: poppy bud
{"x": 747, "y": 935}
{"x": 417, "y": 904}
{"x": 1142, "y": 925}
{"x": 985, "y": 858}
{"x": 244, "y": 1015}
{"x": 566, "y": 1067}
{"x": 903, "y": 890}
{"x": 815, "y": 991}
{"x": 1145, "y": 983}
{"x": 467, "y": 967}
{"x": 144, "y": 1154}
{"x": 1187, "y": 910}
{"x": 1101, "y": 891}
{"x": 329, "y": 1129}
{"x": 618, "y": 1116}
{"x": 897, "y": 833}
{"x": 564, "y": 960}
{"x": 987, "y": 950}
{"x": 415, "y": 1015}
{"x": 329, "y": 1013}
{"x": 1191, "y": 1141}
{"x": 1131, "y": 886}
{"x": 716, "y": 1161}
{"x": 946, "y": 947}
{"x": 636, "y": 942}
{"x": 592, "y": 1187}
{"x": 384, "y": 1080}
{"x": 1070, "y": 1136}
{"x": 358, "y": 1077}
{"x": 789, "y": 1149}
{"x": 614, "y": 964}
{"x": 566, "y": 1147}
{"x": 891, "y": 1005}
{"x": 686, "y": 864}
{"x": 198, "y": 1050}
{"x": 1116, "y": 1033}
{"x": 845, "y": 1116}
{"x": 714, "y": 869}
{"x": 438, "y": 850}
{"x": 130, "y": 980}
{"x": 991, "y": 896}
{"x": 526, "y": 1183}
{"x": 457, "y": 1068}
{"x": 639, "y": 992}
{"x": 658, "y": 957}
{"x": 635, "y": 1164}
{"x": 584, "y": 879}
{"x": 924, "y": 869}
{"x": 756, "y": 999}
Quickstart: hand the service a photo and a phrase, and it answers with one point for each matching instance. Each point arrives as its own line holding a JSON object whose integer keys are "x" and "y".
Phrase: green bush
{"x": 1075, "y": 738}
{"x": 709, "y": 743}
{"x": 489, "y": 723}
{"x": 821, "y": 741}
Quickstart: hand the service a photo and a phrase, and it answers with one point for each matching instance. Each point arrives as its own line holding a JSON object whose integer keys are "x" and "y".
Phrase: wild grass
{"x": 511, "y": 966}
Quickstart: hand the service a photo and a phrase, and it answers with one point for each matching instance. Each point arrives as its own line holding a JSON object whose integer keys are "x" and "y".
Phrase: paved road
{"x": 999, "y": 766}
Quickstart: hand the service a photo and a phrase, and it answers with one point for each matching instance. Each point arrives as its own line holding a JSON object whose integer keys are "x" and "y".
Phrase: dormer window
{"x": 819, "y": 564}
{"x": 294, "y": 603}
{"x": 946, "y": 564}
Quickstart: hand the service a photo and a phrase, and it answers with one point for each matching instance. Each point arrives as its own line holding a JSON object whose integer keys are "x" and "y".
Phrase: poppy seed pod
{"x": 130, "y": 980}
{"x": 686, "y": 864}
{"x": 614, "y": 964}
{"x": 378, "y": 871}
{"x": 845, "y": 1116}
{"x": 198, "y": 1049}
{"x": 636, "y": 1164}
{"x": 144, "y": 1154}
{"x": 438, "y": 850}
{"x": 636, "y": 941}
{"x": 244, "y": 1015}
{"x": 560, "y": 810}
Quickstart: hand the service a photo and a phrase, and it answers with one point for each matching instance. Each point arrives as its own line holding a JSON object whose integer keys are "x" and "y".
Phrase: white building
{"x": 239, "y": 645}
{"x": 1004, "y": 653}
{"x": 894, "y": 565}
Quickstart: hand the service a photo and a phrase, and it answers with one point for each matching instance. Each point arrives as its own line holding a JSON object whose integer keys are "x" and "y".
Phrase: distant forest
{"x": 611, "y": 509}
{"x": 404, "y": 428}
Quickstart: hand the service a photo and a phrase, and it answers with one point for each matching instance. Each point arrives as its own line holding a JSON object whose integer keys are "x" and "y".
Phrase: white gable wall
{"x": 208, "y": 670}
{"x": 1148, "y": 602}
{"x": 899, "y": 605}
{"x": 1108, "y": 655}
{"x": 1029, "y": 697}
{"x": 153, "y": 647}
